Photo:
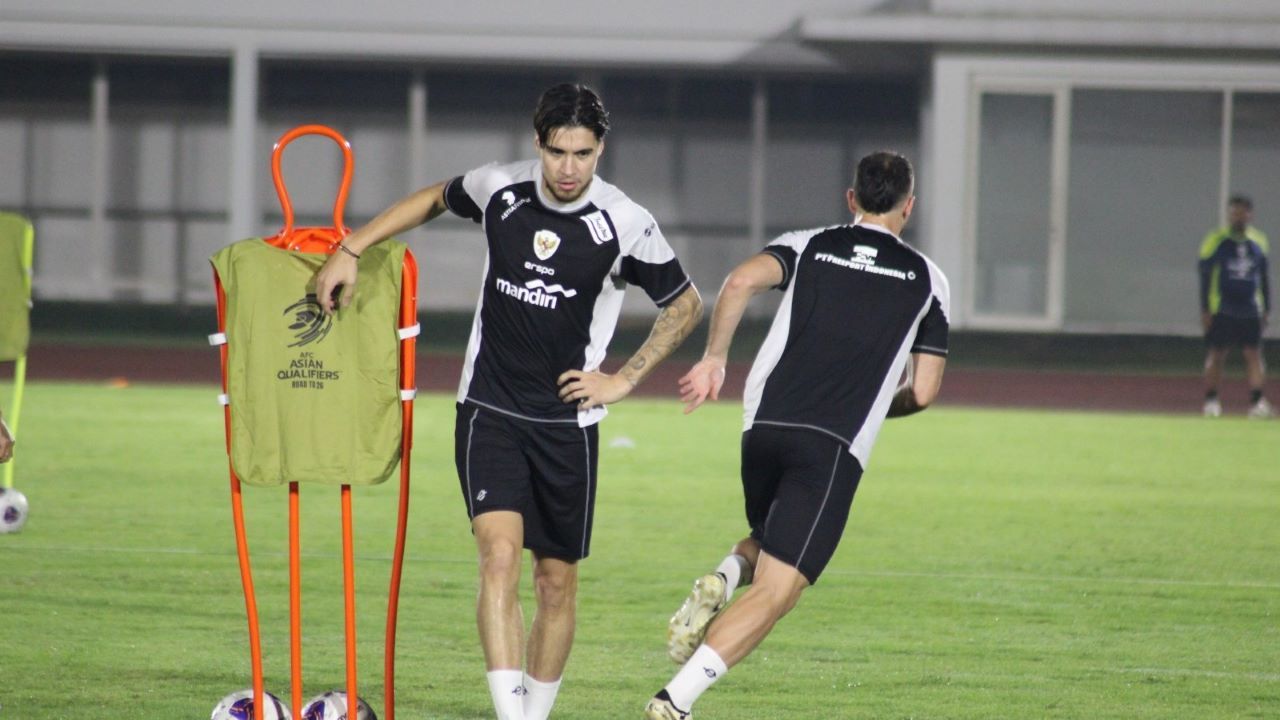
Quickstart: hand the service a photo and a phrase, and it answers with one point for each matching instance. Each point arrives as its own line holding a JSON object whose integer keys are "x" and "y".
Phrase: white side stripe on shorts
{"x": 586, "y": 518}
{"x": 471, "y": 430}
{"x": 830, "y": 482}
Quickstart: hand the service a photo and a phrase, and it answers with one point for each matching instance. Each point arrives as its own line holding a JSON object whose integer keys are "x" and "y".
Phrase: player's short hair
{"x": 1242, "y": 200}
{"x": 570, "y": 105}
{"x": 883, "y": 179}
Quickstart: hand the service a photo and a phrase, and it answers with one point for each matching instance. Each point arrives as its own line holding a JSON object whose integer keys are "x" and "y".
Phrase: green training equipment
{"x": 312, "y": 397}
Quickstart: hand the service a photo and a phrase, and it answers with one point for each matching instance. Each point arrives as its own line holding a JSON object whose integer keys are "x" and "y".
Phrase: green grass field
{"x": 996, "y": 565}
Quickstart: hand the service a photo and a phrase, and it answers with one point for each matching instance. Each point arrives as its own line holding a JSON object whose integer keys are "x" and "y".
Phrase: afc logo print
{"x": 309, "y": 323}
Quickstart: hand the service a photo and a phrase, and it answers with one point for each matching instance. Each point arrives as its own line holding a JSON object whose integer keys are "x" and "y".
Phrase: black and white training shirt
{"x": 554, "y": 279}
{"x": 858, "y": 302}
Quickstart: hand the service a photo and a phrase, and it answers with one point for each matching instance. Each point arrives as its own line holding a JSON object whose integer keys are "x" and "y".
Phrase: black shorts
{"x": 1227, "y": 331}
{"x": 799, "y": 486}
{"x": 544, "y": 471}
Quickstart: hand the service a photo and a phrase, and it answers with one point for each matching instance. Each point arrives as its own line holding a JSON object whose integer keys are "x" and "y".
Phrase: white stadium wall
{"x": 137, "y": 132}
{"x": 1182, "y": 9}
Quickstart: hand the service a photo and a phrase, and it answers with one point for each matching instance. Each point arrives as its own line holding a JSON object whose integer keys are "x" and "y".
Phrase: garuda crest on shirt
{"x": 545, "y": 244}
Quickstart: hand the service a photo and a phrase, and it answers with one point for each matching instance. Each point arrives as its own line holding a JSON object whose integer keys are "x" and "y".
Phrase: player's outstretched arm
{"x": 921, "y": 388}
{"x": 339, "y": 271}
{"x": 748, "y": 279}
{"x": 673, "y": 325}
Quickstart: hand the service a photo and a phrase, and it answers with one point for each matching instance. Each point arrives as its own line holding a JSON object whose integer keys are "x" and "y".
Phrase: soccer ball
{"x": 13, "y": 510}
{"x": 333, "y": 706}
{"x": 239, "y": 706}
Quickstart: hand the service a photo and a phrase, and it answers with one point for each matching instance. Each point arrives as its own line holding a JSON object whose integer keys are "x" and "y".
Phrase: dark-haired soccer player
{"x": 1235, "y": 302}
{"x": 858, "y": 306}
{"x": 562, "y": 246}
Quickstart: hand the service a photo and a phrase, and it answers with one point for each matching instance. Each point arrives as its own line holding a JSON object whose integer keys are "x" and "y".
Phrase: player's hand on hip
{"x": 336, "y": 282}
{"x": 592, "y": 389}
{"x": 702, "y": 381}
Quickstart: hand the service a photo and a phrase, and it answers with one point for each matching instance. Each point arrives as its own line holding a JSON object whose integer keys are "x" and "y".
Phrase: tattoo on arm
{"x": 673, "y": 325}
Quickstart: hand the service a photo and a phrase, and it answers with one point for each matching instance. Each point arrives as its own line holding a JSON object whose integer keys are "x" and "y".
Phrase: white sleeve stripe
{"x": 674, "y": 293}
{"x": 929, "y": 349}
{"x": 786, "y": 271}
{"x": 445, "y": 196}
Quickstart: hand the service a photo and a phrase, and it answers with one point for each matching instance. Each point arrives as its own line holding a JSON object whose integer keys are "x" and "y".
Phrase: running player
{"x": 1235, "y": 303}
{"x": 859, "y": 308}
{"x": 562, "y": 246}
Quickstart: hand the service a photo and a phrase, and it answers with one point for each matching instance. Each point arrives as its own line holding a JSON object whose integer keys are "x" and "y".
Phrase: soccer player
{"x": 1235, "y": 303}
{"x": 860, "y": 309}
{"x": 562, "y": 246}
{"x": 6, "y": 442}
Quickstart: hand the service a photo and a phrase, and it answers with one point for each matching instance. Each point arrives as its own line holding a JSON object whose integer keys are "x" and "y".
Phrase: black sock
{"x": 1255, "y": 396}
{"x": 1211, "y": 394}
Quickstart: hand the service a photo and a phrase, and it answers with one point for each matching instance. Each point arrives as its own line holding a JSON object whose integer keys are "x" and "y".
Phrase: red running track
{"x": 437, "y": 372}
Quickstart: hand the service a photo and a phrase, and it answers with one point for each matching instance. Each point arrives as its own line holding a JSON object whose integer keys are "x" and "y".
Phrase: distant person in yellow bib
{"x": 1235, "y": 304}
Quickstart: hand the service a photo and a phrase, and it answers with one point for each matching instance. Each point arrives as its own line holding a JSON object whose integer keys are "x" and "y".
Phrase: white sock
{"x": 734, "y": 568}
{"x": 700, "y": 673}
{"x": 508, "y": 692}
{"x": 540, "y": 697}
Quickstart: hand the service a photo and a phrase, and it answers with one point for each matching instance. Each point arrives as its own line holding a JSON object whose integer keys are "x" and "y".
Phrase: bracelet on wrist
{"x": 348, "y": 251}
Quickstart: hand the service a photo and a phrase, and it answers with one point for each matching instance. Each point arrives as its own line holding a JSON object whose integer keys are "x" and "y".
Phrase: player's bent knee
{"x": 779, "y": 588}
{"x": 555, "y": 589}
{"x": 500, "y": 558}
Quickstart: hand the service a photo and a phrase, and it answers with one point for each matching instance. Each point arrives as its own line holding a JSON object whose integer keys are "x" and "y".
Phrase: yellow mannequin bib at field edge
{"x": 314, "y": 397}
{"x": 15, "y": 286}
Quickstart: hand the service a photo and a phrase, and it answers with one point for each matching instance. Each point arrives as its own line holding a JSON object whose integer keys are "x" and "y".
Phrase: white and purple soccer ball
{"x": 239, "y": 706}
{"x": 333, "y": 706}
{"x": 13, "y": 510}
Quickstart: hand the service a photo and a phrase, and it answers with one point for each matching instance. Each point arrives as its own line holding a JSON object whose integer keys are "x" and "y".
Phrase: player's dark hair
{"x": 1243, "y": 200}
{"x": 570, "y": 105}
{"x": 883, "y": 179}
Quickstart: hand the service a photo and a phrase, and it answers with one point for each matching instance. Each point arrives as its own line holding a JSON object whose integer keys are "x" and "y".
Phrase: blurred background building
{"x": 1071, "y": 153}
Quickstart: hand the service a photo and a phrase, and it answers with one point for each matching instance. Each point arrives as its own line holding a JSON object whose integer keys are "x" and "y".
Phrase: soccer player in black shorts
{"x": 860, "y": 309}
{"x": 563, "y": 244}
{"x": 1235, "y": 302}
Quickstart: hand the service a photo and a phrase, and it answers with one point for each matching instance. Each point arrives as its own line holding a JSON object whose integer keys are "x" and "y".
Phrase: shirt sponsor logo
{"x": 601, "y": 233}
{"x": 865, "y": 264}
{"x": 534, "y": 292}
{"x": 540, "y": 269}
{"x": 865, "y": 254}
{"x": 545, "y": 244}
{"x": 512, "y": 202}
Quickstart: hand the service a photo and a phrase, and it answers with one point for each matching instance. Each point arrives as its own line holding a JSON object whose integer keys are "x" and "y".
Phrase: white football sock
{"x": 700, "y": 673}
{"x": 508, "y": 692}
{"x": 736, "y": 570}
{"x": 539, "y": 698}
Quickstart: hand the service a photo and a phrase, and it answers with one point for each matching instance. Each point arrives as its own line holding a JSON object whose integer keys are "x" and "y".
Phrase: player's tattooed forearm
{"x": 672, "y": 326}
